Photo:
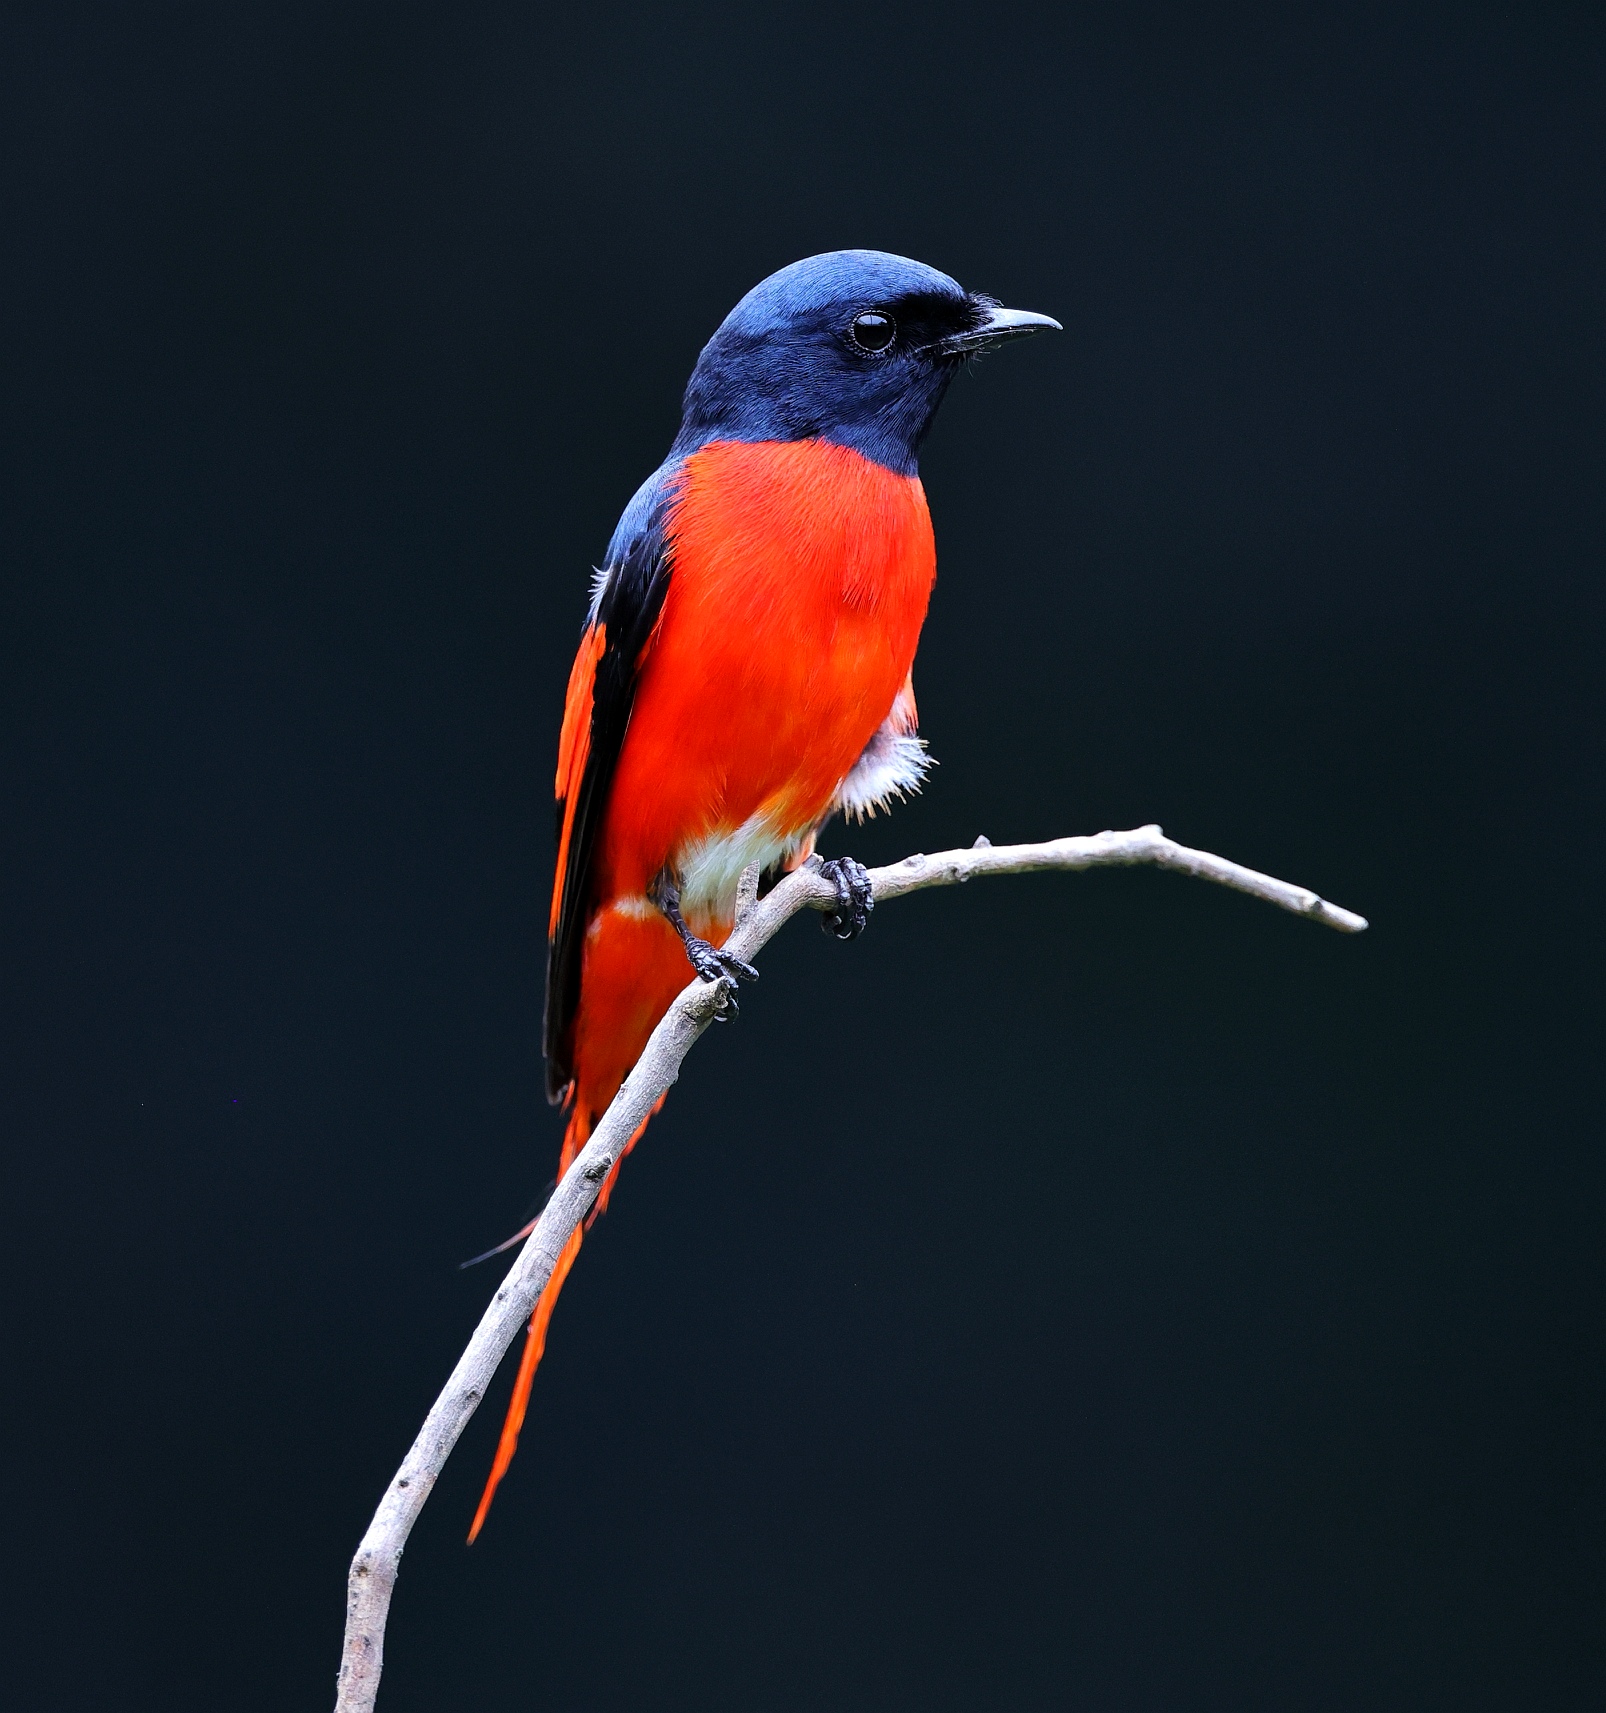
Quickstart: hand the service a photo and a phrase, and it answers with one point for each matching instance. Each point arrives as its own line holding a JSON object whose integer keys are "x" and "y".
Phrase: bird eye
{"x": 873, "y": 331}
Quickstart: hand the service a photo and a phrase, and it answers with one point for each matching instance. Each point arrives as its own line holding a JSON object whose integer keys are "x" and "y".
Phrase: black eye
{"x": 873, "y": 331}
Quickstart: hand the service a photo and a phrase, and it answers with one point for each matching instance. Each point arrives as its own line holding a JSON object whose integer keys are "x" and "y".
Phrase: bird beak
{"x": 999, "y": 325}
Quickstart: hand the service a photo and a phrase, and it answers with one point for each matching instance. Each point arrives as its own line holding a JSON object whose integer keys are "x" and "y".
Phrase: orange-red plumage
{"x": 801, "y": 578}
{"x": 574, "y": 745}
{"x": 802, "y": 573}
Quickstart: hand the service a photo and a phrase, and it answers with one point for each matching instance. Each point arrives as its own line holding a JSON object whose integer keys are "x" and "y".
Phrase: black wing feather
{"x": 632, "y": 598}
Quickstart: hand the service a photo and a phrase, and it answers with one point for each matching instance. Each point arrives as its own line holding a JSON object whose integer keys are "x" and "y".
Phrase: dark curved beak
{"x": 1000, "y": 325}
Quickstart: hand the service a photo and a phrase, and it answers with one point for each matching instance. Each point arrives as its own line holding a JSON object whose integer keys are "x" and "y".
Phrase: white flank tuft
{"x": 893, "y": 765}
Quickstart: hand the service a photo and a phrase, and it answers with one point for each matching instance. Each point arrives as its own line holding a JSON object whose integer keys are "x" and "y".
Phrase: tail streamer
{"x": 574, "y": 1139}
{"x": 534, "y": 1348}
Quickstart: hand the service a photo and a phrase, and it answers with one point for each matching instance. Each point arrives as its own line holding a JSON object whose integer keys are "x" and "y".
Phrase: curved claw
{"x": 855, "y": 897}
{"x": 714, "y": 964}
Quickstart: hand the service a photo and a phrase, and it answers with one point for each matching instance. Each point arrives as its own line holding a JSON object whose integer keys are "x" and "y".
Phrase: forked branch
{"x": 374, "y": 1569}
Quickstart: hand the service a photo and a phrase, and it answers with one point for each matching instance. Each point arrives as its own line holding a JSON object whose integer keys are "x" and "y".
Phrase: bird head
{"x": 855, "y": 347}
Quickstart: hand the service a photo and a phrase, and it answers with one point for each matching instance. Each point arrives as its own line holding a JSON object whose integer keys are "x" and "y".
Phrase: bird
{"x": 745, "y": 668}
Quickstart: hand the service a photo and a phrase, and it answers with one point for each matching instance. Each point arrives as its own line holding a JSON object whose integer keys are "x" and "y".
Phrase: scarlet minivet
{"x": 781, "y": 557}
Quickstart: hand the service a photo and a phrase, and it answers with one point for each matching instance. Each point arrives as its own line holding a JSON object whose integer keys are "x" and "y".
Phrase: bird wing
{"x": 596, "y": 714}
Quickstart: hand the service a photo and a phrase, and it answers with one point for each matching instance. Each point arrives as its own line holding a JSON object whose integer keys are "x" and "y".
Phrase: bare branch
{"x": 1147, "y": 845}
{"x": 374, "y": 1569}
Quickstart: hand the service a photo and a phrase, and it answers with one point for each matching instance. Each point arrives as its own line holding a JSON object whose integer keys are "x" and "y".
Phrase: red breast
{"x": 801, "y": 576}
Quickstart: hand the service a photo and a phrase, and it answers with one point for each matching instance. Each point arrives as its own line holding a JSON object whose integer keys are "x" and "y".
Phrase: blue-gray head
{"x": 855, "y": 347}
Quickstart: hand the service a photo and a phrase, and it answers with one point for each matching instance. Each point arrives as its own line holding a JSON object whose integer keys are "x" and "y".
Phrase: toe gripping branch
{"x": 710, "y": 962}
{"x": 855, "y": 897}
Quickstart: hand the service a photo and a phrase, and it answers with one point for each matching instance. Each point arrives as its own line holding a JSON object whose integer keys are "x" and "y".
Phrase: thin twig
{"x": 374, "y": 1569}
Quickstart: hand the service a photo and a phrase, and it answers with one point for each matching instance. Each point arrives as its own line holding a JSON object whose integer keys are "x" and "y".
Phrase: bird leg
{"x": 855, "y": 897}
{"x": 710, "y": 962}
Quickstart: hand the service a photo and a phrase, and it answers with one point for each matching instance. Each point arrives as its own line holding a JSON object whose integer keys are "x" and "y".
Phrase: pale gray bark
{"x": 374, "y": 1569}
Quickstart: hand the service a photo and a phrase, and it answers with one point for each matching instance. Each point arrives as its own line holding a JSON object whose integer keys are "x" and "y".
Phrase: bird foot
{"x": 855, "y": 897}
{"x": 712, "y": 963}
{"x": 715, "y": 965}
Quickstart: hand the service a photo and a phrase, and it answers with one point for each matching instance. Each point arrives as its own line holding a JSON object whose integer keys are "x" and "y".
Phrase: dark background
{"x": 1096, "y": 1292}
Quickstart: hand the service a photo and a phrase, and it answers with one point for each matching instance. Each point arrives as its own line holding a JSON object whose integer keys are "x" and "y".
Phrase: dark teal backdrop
{"x": 335, "y": 338}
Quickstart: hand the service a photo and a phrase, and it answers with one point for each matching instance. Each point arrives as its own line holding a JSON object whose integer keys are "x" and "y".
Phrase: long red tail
{"x": 534, "y": 1346}
{"x": 574, "y": 1139}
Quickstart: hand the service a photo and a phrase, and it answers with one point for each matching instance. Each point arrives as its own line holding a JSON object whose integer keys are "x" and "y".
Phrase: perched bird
{"x": 781, "y": 557}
